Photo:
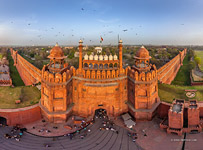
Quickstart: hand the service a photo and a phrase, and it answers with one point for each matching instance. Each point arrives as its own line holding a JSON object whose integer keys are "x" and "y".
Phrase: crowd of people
{"x": 81, "y": 129}
{"x": 15, "y": 133}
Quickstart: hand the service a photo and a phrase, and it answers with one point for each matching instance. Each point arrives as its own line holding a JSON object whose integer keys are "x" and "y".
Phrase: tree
{"x": 191, "y": 65}
{"x": 32, "y": 54}
{"x": 197, "y": 60}
{"x": 89, "y": 53}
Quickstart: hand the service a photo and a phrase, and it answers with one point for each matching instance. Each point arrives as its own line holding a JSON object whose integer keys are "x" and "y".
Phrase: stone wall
{"x": 28, "y": 72}
{"x": 168, "y": 72}
{"x": 21, "y": 115}
{"x": 109, "y": 94}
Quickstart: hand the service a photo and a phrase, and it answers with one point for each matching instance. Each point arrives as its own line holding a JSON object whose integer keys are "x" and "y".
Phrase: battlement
{"x": 142, "y": 76}
{"x": 101, "y": 74}
{"x": 193, "y": 105}
{"x": 60, "y": 77}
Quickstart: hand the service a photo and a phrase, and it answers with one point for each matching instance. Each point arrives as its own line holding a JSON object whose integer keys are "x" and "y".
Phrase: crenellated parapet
{"x": 28, "y": 72}
{"x": 194, "y": 115}
{"x": 176, "y": 114}
{"x": 168, "y": 72}
{"x": 142, "y": 76}
{"x": 59, "y": 77}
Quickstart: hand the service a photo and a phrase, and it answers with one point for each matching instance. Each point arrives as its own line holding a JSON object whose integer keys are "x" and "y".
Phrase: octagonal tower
{"x": 142, "y": 87}
{"x": 56, "y": 87}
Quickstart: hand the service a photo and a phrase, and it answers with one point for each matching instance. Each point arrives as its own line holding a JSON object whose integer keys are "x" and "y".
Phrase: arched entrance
{"x": 100, "y": 113}
{"x": 3, "y": 121}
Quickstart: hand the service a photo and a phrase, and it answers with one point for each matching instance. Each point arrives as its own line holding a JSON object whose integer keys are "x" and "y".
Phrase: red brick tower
{"x": 176, "y": 117}
{"x": 143, "y": 97}
{"x": 193, "y": 116}
{"x": 56, "y": 88}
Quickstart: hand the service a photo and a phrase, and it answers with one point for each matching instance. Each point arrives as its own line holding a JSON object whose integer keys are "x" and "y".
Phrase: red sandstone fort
{"x": 100, "y": 82}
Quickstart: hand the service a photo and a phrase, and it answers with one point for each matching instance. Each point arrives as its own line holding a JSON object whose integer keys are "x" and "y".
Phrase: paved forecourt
{"x": 95, "y": 140}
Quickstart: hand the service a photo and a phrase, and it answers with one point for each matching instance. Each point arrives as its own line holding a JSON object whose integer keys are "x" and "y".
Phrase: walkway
{"x": 95, "y": 140}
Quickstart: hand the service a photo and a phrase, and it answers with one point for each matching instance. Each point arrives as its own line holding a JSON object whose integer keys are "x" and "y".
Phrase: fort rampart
{"x": 168, "y": 72}
{"x": 31, "y": 74}
{"x": 28, "y": 72}
{"x": 21, "y": 115}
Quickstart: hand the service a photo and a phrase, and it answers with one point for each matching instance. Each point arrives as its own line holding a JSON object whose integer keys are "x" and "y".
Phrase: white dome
{"x": 115, "y": 57}
{"x": 95, "y": 57}
{"x": 91, "y": 57}
{"x": 100, "y": 57}
{"x": 86, "y": 57}
{"x": 110, "y": 57}
{"x": 105, "y": 57}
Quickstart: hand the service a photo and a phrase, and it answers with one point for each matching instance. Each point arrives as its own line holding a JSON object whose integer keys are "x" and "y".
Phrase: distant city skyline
{"x": 156, "y": 22}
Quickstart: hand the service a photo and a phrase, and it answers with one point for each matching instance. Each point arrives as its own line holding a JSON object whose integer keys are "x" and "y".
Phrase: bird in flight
{"x": 182, "y": 24}
{"x": 82, "y": 9}
{"x": 28, "y": 24}
{"x": 125, "y": 30}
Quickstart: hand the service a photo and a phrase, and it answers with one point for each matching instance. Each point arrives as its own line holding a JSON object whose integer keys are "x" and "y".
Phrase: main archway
{"x": 100, "y": 113}
{"x": 3, "y": 121}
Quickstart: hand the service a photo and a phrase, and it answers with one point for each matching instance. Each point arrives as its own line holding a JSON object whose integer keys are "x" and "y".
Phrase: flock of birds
{"x": 103, "y": 34}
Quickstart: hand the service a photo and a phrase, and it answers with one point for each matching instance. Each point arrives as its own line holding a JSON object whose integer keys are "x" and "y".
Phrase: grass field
{"x": 168, "y": 92}
{"x": 16, "y": 79}
{"x": 183, "y": 75}
{"x": 200, "y": 54}
{"x": 27, "y": 94}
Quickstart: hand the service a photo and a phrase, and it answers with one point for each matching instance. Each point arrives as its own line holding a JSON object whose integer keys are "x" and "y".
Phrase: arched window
{"x": 110, "y": 65}
{"x": 142, "y": 65}
{"x": 86, "y": 66}
{"x": 106, "y": 66}
{"x": 100, "y": 66}
{"x": 95, "y": 66}
{"x": 91, "y": 66}
{"x": 115, "y": 65}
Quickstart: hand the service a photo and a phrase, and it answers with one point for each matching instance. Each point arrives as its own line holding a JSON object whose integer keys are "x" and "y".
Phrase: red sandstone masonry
{"x": 167, "y": 73}
{"x": 21, "y": 115}
{"x": 28, "y": 72}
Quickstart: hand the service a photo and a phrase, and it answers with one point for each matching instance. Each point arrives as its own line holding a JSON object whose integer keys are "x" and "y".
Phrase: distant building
{"x": 99, "y": 49}
{"x": 76, "y": 54}
{"x": 85, "y": 47}
{"x": 69, "y": 47}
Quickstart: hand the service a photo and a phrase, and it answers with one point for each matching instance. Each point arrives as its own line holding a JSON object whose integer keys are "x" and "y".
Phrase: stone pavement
{"x": 194, "y": 141}
{"x": 95, "y": 140}
{"x": 107, "y": 140}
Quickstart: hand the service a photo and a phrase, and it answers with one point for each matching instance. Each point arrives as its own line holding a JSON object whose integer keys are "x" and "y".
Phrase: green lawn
{"x": 200, "y": 54}
{"x": 168, "y": 92}
{"x": 27, "y": 94}
{"x": 183, "y": 75}
{"x": 16, "y": 79}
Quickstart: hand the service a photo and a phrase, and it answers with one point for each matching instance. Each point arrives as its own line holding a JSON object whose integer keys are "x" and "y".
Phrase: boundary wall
{"x": 28, "y": 72}
{"x": 167, "y": 73}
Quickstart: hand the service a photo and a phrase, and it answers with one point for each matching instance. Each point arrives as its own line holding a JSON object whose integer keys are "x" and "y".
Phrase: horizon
{"x": 146, "y": 22}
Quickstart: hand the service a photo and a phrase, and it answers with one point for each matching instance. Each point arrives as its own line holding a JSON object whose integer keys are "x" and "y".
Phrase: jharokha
{"x": 99, "y": 82}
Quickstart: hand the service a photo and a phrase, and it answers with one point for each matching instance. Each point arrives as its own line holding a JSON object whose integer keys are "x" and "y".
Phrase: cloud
{"x": 108, "y": 21}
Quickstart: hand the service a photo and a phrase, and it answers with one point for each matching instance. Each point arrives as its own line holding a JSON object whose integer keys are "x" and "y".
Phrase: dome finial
{"x": 57, "y": 44}
{"x": 80, "y": 42}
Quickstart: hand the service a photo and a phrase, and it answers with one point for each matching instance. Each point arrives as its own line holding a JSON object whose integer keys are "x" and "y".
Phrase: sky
{"x": 156, "y": 22}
